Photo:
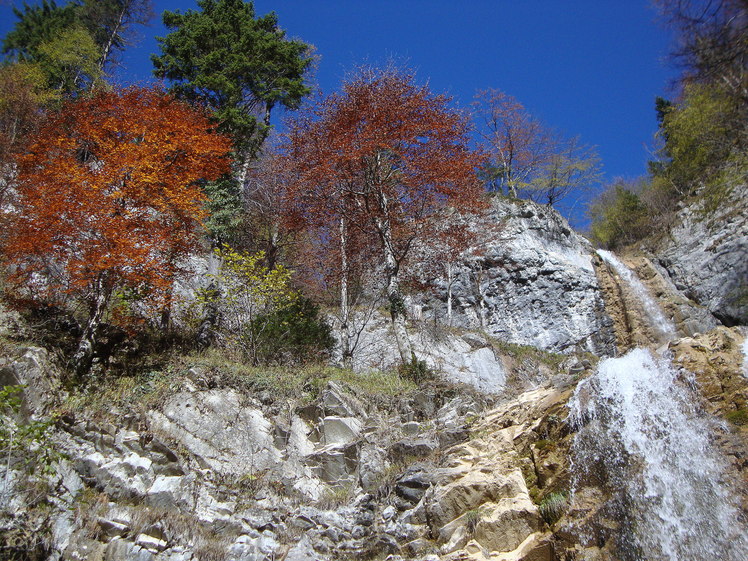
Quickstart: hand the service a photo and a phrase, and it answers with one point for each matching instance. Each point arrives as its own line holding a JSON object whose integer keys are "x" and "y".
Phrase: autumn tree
{"x": 526, "y": 158}
{"x": 382, "y": 157}
{"x": 108, "y": 201}
{"x": 23, "y": 95}
{"x": 516, "y": 142}
{"x": 570, "y": 167}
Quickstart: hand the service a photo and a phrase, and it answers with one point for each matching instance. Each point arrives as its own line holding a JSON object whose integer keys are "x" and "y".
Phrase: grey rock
{"x": 219, "y": 430}
{"x": 410, "y": 448}
{"x": 340, "y": 430}
{"x": 112, "y": 528}
{"x": 706, "y": 257}
{"x": 372, "y": 464}
{"x": 151, "y": 543}
{"x": 531, "y": 283}
{"x": 411, "y": 428}
{"x": 412, "y": 486}
{"x": 334, "y": 464}
{"x": 303, "y": 551}
{"x": 122, "y": 550}
{"x": 336, "y": 401}
{"x": 33, "y": 369}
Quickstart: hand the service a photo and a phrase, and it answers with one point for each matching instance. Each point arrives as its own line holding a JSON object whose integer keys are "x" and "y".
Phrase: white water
{"x": 642, "y": 439}
{"x": 745, "y": 356}
{"x": 651, "y": 308}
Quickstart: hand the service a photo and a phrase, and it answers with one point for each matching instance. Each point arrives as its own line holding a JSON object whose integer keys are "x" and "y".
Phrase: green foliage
{"x": 70, "y": 60}
{"x": 472, "y": 518}
{"x": 293, "y": 334}
{"x": 248, "y": 298}
{"x": 37, "y": 24}
{"x": 304, "y": 382}
{"x": 618, "y": 217}
{"x": 416, "y": 370}
{"x": 225, "y": 208}
{"x": 24, "y": 444}
{"x": 107, "y": 21}
{"x": 701, "y": 134}
{"x": 572, "y": 167}
{"x": 738, "y": 417}
{"x": 553, "y": 506}
{"x": 52, "y": 37}
{"x": 237, "y": 65}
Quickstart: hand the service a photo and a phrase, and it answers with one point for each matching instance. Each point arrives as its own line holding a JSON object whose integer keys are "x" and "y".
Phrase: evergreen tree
{"x": 37, "y": 25}
{"x": 241, "y": 67}
{"x": 238, "y": 65}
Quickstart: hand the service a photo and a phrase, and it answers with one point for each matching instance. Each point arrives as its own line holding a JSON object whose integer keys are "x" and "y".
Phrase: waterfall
{"x": 651, "y": 308}
{"x": 745, "y": 356}
{"x": 644, "y": 441}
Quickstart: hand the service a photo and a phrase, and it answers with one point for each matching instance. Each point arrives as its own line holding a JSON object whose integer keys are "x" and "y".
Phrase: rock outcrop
{"x": 528, "y": 280}
{"x": 706, "y": 257}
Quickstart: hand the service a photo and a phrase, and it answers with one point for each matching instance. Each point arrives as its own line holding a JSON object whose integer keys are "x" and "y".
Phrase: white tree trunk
{"x": 448, "y": 266}
{"x": 345, "y": 334}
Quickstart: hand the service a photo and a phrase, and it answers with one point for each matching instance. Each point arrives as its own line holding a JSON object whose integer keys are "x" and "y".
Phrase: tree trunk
{"x": 345, "y": 335}
{"x": 448, "y": 266}
{"x": 394, "y": 296}
{"x": 83, "y": 356}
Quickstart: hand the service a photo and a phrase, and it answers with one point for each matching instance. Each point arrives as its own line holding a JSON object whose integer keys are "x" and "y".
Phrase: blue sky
{"x": 586, "y": 67}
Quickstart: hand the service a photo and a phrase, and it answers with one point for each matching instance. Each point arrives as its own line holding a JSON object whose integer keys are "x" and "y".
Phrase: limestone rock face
{"x": 32, "y": 367}
{"x": 529, "y": 280}
{"x": 706, "y": 257}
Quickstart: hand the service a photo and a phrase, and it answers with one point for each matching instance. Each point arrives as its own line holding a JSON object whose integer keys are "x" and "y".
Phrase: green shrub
{"x": 24, "y": 443}
{"x": 416, "y": 370}
{"x": 292, "y": 334}
{"x": 739, "y": 417}
{"x": 553, "y": 506}
{"x": 619, "y": 217}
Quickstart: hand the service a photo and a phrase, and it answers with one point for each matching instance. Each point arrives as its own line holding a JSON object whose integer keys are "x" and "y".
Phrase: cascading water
{"x": 662, "y": 325}
{"x": 644, "y": 441}
{"x": 745, "y": 356}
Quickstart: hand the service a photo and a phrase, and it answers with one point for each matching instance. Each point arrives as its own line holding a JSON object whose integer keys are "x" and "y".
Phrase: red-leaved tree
{"x": 374, "y": 164}
{"x": 108, "y": 199}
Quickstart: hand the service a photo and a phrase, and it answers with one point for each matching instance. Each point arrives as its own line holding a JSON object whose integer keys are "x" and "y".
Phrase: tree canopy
{"x": 378, "y": 161}
{"x": 525, "y": 157}
{"x": 107, "y": 198}
{"x": 76, "y": 42}
{"x": 238, "y": 65}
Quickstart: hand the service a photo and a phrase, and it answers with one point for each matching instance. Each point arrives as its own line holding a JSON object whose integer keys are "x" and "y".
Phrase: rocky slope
{"x": 705, "y": 256}
{"x": 188, "y": 468}
{"x": 207, "y": 460}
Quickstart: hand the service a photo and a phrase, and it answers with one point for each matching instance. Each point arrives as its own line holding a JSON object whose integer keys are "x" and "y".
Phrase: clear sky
{"x": 586, "y": 67}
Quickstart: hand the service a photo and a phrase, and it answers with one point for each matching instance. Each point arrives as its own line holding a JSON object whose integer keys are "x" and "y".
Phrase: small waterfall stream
{"x": 662, "y": 325}
{"x": 641, "y": 432}
{"x": 645, "y": 441}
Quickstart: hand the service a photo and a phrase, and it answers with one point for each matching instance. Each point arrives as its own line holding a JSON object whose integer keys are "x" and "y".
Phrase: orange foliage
{"x": 108, "y": 197}
{"x": 387, "y": 156}
{"x": 373, "y": 167}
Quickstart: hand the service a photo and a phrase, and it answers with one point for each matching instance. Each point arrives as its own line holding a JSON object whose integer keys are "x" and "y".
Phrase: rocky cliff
{"x": 528, "y": 279}
{"x": 505, "y": 452}
{"x": 705, "y": 256}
